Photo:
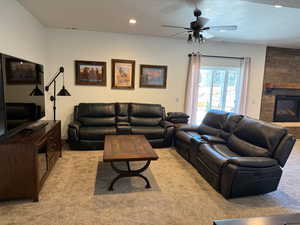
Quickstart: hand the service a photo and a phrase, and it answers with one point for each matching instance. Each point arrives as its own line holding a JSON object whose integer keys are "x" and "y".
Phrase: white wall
{"x": 21, "y": 35}
{"x": 66, "y": 46}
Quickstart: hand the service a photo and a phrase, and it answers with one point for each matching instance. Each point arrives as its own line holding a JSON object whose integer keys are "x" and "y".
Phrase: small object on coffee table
{"x": 128, "y": 148}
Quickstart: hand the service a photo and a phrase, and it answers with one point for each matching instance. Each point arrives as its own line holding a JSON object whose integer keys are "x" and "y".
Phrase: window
{"x": 218, "y": 89}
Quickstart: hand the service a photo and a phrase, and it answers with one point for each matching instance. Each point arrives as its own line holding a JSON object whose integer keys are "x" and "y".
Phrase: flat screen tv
{"x": 22, "y": 100}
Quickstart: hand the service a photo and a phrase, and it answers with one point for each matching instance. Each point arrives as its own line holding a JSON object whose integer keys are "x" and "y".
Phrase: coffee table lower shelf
{"x": 129, "y": 173}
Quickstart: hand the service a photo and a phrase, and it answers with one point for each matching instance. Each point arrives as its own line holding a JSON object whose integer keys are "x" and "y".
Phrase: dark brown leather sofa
{"x": 92, "y": 121}
{"x": 237, "y": 155}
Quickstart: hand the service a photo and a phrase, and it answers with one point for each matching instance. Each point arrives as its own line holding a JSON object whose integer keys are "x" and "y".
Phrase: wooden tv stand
{"x": 26, "y": 161}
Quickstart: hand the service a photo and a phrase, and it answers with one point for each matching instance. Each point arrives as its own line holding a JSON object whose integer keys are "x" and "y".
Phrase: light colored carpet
{"x": 76, "y": 194}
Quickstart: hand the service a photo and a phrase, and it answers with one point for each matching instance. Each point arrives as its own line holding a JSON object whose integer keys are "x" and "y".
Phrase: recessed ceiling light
{"x": 278, "y": 6}
{"x": 132, "y": 21}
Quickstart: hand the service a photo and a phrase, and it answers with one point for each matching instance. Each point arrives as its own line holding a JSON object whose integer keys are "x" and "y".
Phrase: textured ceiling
{"x": 258, "y": 21}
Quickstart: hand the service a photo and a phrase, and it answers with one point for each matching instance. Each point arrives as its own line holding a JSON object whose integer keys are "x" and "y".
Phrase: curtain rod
{"x": 217, "y": 56}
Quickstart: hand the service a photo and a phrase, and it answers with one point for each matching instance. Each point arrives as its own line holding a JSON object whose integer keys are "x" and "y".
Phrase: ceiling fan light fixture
{"x": 278, "y": 6}
{"x": 132, "y": 21}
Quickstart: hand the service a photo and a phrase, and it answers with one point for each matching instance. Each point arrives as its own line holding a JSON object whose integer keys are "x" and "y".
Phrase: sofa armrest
{"x": 73, "y": 131}
{"x": 213, "y": 139}
{"x": 187, "y": 127}
{"x": 253, "y": 162}
{"x": 198, "y": 141}
{"x": 75, "y": 124}
{"x": 166, "y": 124}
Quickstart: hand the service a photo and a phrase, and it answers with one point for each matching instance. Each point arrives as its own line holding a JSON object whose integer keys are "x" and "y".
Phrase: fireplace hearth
{"x": 287, "y": 109}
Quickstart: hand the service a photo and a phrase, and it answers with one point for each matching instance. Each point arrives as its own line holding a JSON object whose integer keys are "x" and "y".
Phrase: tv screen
{"x": 23, "y": 86}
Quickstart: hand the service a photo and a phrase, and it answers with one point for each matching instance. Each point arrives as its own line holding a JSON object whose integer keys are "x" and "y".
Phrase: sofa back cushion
{"x": 146, "y": 110}
{"x": 122, "y": 112}
{"x": 97, "y": 114}
{"x": 215, "y": 119}
{"x": 145, "y": 114}
{"x": 284, "y": 149}
{"x": 230, "y": 124}
{"x": 255, "y": 138}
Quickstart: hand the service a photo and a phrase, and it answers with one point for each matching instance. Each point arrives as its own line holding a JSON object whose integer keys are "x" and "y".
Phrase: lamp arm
{"x": 61, "y": 70}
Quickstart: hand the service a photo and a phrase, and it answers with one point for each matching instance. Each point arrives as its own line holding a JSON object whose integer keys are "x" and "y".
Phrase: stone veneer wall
{"x": 282, "y": 66}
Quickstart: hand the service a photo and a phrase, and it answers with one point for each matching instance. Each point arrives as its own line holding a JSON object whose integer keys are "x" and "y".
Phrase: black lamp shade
{"x": 63, "y": 92}
{"x": 36, "y": 92}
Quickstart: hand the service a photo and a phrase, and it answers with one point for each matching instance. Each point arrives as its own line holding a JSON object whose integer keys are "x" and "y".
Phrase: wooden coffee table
{"x": 128, "y": 148}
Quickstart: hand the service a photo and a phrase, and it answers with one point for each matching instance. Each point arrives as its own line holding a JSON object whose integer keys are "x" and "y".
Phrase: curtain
{"x": 243, "y": 92}
{"x": 191, "y": 92}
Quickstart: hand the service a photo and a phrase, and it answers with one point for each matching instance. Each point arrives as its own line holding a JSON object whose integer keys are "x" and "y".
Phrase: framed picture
{"x": 90, "y": 73}
{"x": 123, "y": 72}
{"x": 22, "y": 72}
{"x": 153, "y": 76}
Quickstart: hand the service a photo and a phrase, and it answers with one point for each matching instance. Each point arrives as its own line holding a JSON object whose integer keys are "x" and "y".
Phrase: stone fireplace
{"x": 281, "y": 94}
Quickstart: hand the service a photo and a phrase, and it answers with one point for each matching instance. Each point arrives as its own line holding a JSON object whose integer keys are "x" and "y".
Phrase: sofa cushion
{"x": 149, "y": 132}
{"x": 96, "y": 110}
{"x": 215, "y": 119}
{"x": 145, "y": 121}
{"x": 245, "y": 148}
{"x": 230, "y": 125}
{"x": 146, "y": 110}
{"x": 122, "y": 112}
{"x": 224, "y": 151}
{"x": 96, "y": 133}
{"x": 231, "y": 122}
{"x": 259, "y": 133}
{"x": 98, "y": 121}
{"x": 187, "y": 136}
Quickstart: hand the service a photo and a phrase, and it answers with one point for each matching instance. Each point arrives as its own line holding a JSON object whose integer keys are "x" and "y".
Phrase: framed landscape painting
{"x": 123, "y": 72}
{"x": 153, "y": 76}
{"x": 90, "y": 73}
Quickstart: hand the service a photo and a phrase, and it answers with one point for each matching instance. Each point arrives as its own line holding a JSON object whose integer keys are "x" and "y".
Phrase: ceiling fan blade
{"x": 174, "y": 35}
{"x": 171, "y": 26}
{"x": 221, "y": 28}
{"x": 203, "y": 20}
{"x": 207, "y": 35}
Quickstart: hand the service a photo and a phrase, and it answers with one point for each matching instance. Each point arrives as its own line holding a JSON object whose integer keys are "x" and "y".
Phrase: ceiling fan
{"x": 198, "y": 32}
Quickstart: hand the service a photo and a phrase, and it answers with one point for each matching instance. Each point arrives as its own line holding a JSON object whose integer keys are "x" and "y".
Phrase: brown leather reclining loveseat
{"x": 237, "y": 155}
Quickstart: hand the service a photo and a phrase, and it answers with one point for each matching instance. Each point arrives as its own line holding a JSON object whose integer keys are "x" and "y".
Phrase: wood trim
{"x": 93, "y": 63}
{"x": 282, "y": 85}
{"x": 113, "y": 62}
{"x": 165, "y": 68}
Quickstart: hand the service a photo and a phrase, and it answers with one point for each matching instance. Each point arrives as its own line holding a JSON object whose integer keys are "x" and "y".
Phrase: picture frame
{"x": 123, "y": 74}
{"x": 153, "y": 76}
{"x": 90, "y": 73}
